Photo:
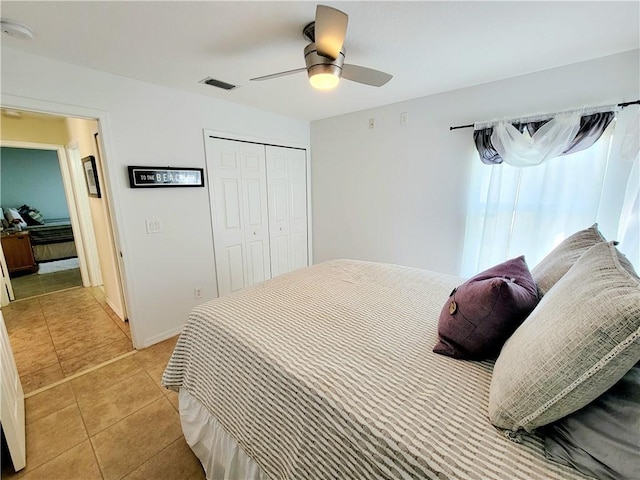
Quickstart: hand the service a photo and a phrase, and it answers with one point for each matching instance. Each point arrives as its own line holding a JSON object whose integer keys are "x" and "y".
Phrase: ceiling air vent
{"x": 218, "y": 83}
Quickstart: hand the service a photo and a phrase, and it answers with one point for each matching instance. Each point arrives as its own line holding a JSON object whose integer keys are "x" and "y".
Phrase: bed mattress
{"x": 53, "y": 231}
{"x": 328, "y": 372}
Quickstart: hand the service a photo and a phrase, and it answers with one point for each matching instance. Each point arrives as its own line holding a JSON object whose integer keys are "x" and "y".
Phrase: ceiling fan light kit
{"x": 324, "y": 72}
{"x": 324, "y": 56}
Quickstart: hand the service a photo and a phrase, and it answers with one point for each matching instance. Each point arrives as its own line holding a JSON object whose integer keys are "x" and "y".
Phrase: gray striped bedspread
{"x": 328, "y": 373}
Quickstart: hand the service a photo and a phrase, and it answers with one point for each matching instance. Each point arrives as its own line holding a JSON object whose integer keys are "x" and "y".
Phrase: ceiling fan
{"x": 324, "y": 56}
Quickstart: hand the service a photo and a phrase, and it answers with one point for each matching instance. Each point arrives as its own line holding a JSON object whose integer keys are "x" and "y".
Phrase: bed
{"x": 52, "y": 241}
{"x": 328, "y": 372}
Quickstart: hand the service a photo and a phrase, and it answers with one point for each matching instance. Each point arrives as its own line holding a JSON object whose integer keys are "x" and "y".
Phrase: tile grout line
{"x": 79, "y": 374}
{"x": 95, "y": 348}
{"x": 43, "y": 294}
{"x": 55, "y": 350}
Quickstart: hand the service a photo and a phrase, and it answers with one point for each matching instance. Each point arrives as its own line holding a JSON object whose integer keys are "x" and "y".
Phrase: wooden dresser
{"x": 18, "y": 252}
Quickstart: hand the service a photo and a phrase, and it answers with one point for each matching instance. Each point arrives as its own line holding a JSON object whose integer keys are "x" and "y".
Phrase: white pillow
{"x": 11, "y": 214}
{"x": 582, "y": 338}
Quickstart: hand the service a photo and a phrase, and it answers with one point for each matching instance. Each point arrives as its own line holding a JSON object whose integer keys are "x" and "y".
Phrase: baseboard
{"x": 116, "y": 310}
{"x": 161, "y": 337}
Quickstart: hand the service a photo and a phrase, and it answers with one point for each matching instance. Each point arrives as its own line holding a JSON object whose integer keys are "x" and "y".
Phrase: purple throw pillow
{"x": 482, "y": 313}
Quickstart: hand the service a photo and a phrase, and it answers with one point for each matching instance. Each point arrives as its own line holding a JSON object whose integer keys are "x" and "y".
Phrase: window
{"x": 514, "y": 211}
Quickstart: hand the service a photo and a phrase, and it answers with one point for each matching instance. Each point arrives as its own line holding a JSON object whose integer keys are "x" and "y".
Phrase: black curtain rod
{"x": 621, "y": 105}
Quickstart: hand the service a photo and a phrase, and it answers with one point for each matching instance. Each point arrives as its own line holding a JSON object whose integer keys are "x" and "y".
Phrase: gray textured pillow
{"x": 583, "y": 336}
{"x": 558, "y": 262}
{"x": 602, "y": 440}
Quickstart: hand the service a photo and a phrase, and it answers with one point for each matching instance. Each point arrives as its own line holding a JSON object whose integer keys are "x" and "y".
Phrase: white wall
{"x": 82, "y": 132}
{"x": 397, "y": 193}
{"x": 144, "y": 124}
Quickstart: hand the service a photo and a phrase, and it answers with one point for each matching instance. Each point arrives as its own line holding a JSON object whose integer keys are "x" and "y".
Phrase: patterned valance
{"x": 591, "y": 129}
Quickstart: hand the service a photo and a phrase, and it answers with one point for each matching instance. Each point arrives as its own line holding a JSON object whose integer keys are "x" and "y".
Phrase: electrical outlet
{"x": 153, "y": 226}
{"x": 197, "y": 293}
{"x": 404, "y": 118}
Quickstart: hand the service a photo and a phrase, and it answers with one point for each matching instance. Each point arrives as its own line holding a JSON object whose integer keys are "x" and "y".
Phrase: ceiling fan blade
{"x": 368, "y": 76}
{"x": 279, "y": 74}
{"x": 330, "y": 30}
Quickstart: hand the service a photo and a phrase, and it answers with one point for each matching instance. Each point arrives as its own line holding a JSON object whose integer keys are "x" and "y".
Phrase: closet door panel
{"x": 230, "y": 204}
{"x": 287, "y": 186}
{"x": 233, "y": 268}
{"x": 237, "y": 182}
{"x": 256, "y": 232}
{"x": 280, "y": 255}
{"x": 257, "y": 267}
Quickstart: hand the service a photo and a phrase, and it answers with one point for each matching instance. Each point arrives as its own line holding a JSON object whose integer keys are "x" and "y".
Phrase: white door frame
{"x": 87, "y": 232}
{"x": 114, "y": 207}
{"x": 12, "y": 402}
{"x": 276, "y": 143}
{"x": 6, "y": 289}
{"x": 70, "y": 195}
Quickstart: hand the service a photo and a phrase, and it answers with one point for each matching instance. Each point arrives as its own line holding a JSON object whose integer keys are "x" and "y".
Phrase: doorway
{"x": 37, "y": 235}
{"x": 86, "y": 325}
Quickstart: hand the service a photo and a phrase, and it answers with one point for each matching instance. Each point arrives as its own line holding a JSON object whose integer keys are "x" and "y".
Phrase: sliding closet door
{"x": 287, "y": 190}
{"x": 237, "y": 182}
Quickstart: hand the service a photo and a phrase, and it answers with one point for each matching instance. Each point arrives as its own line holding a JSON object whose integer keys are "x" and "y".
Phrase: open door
{"x": 12, "y": 403}
{"x": 6, "y": 290}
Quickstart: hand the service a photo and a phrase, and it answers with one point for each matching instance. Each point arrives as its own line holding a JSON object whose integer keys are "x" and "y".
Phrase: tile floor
{"x": 56, "y": 335}
{"x": 115, "y": 422}
{"x": 25, "y": 286}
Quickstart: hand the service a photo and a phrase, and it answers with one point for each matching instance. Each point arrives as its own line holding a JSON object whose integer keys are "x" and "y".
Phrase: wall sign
{"x": 91, "y": 176}
{"x": 141, "y": 177}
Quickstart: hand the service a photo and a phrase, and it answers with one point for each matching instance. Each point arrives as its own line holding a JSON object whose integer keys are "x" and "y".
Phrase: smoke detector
{"x": 16, "y": 30}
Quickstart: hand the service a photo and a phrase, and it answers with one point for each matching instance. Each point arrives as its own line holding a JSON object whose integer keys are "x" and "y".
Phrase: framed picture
{"x": 146, "y": 177}
{"x": 91, "y": 176}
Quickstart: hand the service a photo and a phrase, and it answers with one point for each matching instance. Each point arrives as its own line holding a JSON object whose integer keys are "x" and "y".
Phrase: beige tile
{"x": 155, "y": 372}
{"x": 122, "y": 325}
{"x": 64, "y": 302}
{"x": 129, "y": 443}
{"x": 20, "y": 308}
{"x": 173, "y": 398}
{"x": 41, "y": 378}
{"x": 78, "y": 314}
{"x": 32, "y": 349}
{"x": 106, "y": 407}
{"x": 32, "y": 332}
{"x": 77, "y": 463}
{"x": 177, "y": 461}
{"x": 95, "y": 356}
{"x": 157, "y": 354}
{"x": 54, "y": 434}
{"x": 99, "y": 380}
{"x": 98, "y": 294}
{"x": 18, "y": 320}
{"x": 50, "y": 401}
{"x": 79, "y": 337}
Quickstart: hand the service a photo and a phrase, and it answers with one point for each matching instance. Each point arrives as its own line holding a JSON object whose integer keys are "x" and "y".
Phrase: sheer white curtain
{"x": 529, "y": 210}
{"x": 629, "y": 227}
{"x": 523, "y": 150}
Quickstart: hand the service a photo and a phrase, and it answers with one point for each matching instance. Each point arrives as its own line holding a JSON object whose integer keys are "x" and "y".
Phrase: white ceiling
{"x": 429, "y": 47}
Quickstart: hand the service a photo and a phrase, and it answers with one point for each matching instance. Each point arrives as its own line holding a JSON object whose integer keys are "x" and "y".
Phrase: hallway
{"x": 25, "y": 286}
{"x": 59, "y": 334}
